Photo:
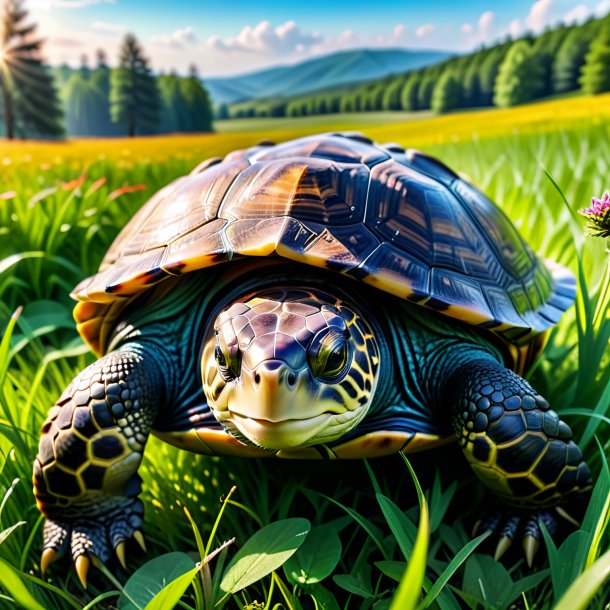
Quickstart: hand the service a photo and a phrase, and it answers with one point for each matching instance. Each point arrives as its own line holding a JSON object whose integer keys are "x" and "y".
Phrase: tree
{"x": 569, "y": 60}
{"x": 100, "y": 84}
{"x": 222, "y": 112}
{"x": 520, "y": 77}
{"x": 424, "y": 93}
{"x": 595, "y": 76}
{"x": 29, "y": 100}
{"x": 409, "y": 93}
{"x": 391, "y": 96}
{"x": 471, "y": 93}
{"x": 488, "y": 73}
{"x": 134, "y": 97}
{"x": 447, "y": 92}
{"x": 546, "y": 47}
{"x": 197, "y": 104}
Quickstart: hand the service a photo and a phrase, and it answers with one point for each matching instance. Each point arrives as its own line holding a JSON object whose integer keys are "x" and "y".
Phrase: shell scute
{"x": 396, "y": 219}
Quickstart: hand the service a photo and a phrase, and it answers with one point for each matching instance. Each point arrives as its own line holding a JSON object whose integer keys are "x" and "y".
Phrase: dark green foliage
{"x": 29, "y": 103}
{"x": 134, "y": 97}
{"x": 426, "y": 87}
{"x": 447, "y": 94}
{"x": 471, "y": 84}
{"x": 595, "y": 76}
{"x": 488, "y": 73}
{"x": 409, "y": 93}
{"x": 222, "y": 112}
{"x": 80, "y": 101}
{"x": 545, "y": 48}
{"x": 519, "y": 78}
{"x": 569, "y": 60}
{"x": 197, "y": 115}
{"x": 391, "y": 97}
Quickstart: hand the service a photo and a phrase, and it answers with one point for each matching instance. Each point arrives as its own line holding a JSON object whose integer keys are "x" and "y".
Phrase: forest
{"x": 561, "y": 60}
{"x": 40, "y": 101}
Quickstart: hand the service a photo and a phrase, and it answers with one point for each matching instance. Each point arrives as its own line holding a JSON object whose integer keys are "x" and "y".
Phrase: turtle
{"x": 323, "y": 298}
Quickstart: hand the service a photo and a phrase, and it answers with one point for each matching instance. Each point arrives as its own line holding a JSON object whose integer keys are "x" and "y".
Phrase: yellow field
{"x": 77, "y": 154}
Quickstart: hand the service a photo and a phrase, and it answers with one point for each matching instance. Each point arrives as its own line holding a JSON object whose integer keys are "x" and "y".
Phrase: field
{"x": 61, "y": 204}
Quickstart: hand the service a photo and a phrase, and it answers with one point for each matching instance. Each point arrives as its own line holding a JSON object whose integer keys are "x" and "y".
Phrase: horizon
{"x": 272, "y": 34}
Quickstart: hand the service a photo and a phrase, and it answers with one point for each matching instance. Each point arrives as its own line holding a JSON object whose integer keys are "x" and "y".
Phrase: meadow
{"x": 61, "y": 204}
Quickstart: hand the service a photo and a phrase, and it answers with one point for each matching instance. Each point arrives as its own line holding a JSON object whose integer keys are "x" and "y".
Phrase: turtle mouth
{"x": 294, "y": 433}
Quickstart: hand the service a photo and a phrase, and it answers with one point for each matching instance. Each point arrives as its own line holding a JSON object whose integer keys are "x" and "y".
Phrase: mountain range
{"x": 328, "y": 71}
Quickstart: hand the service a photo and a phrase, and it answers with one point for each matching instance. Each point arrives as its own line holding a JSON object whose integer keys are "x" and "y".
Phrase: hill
{"x": 328, "y": 71}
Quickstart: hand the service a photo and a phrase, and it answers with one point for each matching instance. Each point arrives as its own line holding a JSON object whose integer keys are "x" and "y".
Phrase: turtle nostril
{"x": 257, "y": 379}
{"x": 291, "y": 378}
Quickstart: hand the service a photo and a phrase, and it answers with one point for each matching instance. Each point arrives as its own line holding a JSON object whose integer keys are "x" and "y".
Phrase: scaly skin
{"x": 85, "y": 473}
{"x": 517, "y": 446}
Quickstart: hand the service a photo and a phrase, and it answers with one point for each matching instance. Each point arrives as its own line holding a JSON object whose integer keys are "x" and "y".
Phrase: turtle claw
{"x": 82, "y": 565}
{"x": 503, "y": 546}
{"x": 530, "y": 548}
{"x": 139, "y": 538}
{"x": 120, "y": 553}
{"x": 48, "y": 557}
{"x": 514, "y": 522}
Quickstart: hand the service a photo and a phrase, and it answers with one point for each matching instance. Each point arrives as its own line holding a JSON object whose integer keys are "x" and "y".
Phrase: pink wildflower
{"x": 598, "y": 216}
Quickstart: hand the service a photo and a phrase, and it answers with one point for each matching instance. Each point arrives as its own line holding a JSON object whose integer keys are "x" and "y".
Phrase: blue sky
{"x": 233, "y": 36}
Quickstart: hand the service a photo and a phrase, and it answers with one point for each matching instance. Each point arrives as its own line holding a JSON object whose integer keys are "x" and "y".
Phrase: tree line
{"x": 37, "y": 101}
{"x": 560, "y": 60}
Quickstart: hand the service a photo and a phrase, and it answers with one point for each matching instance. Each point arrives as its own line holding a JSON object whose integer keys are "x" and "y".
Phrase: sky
{"x": 227, "y": 37}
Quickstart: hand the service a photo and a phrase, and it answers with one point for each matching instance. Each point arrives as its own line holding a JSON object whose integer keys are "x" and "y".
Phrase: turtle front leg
{"x": 517, "y": 446}
{"x": 85, "y": 474}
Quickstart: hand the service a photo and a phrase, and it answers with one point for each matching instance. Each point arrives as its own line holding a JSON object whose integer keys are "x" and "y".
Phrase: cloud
{"x": 424, "y": 30}
{"x": 515, "y": 28}
{"x": 178, "y": 39}
{"x": 602, "y": 8}
{"x": 265, "y": 39}
{"x": 540, "y": 15}
{"x": 67, "y": 43}
{"x": 47, "y": 5}
{"x": 482, "y": 31}
{"x": 577, "y": 14}
{"x": 109, "y": 28}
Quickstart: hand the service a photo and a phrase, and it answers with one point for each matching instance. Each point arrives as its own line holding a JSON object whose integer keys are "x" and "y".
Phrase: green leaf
{"x": 264, "y": 552}
{"x": 323, "y": 598}
{"x": 582, "y": 590}
{"x": 12, "y": 583}
{"x": 9, "y": 530}
{"x": 153, "y": 577}
{"x": 403, "y": 529}
{"x": 352, "y": 585}
{"x": 409, "y": 589}
{"x": 316, "y": 558}
{"x": 450, "y": 570}
{"x": 392, "y": 569}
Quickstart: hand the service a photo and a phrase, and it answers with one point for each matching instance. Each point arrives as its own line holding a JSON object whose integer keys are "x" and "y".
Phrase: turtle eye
{"x": 228, "y": 370}
{"x": 329, "y": 356}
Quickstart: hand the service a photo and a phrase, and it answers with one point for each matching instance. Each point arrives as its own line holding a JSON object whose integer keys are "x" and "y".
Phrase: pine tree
{"x": 520, "y": 78}
{"x": 100, "y": 83}
{"x": 426, "y": 87}
{"x": 471, "y": 94}
{"x": 197, "y": 103}
{"x": 29, "y": 102}
{"x": 391, "y": 96}
{"x": 134, "y": 96}
{"x": 595, "y": 76}
{"x": 488, "y": 73}
{"x": 222, "y": 112}
{"x": 447, "y": 92}
{"x": 569, "y": 60}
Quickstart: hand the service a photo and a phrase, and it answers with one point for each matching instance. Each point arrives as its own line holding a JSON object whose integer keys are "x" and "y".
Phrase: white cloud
{"x": 483, "y": 30}
{"x": 47, "y": 5}
{"x": 485, "y": 24}
{"x": 110, "y": 28}
{"x": 399, "y": 32}
{"x": 602, "y": 8}
{"x": 424, "y": 30}
{"x": 178, "y": 39}
{"x": 265, "y": 39}
{"x": 467, "y": 28}
{"x": 540, "y": 15}
{"x": 577, "y": 14}
{"x": 515, "y": 28}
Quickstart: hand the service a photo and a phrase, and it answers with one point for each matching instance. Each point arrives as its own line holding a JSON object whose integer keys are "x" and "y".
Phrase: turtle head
{"x": 289, "y": 368}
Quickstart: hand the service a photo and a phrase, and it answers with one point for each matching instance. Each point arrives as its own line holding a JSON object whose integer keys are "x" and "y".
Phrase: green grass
{"x": 48, "y": 242}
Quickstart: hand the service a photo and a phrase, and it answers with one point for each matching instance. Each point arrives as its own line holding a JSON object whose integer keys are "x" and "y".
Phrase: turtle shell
{"x": 396, "y": 219}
